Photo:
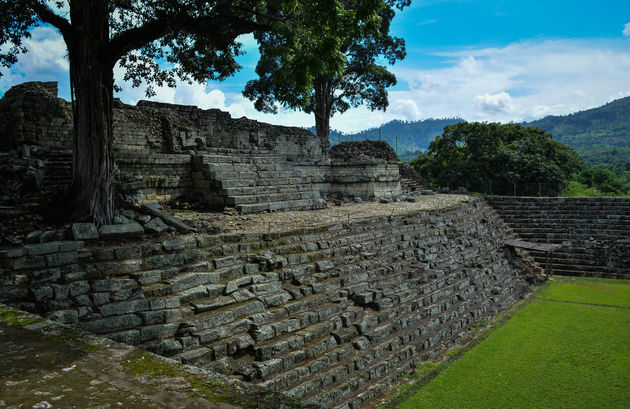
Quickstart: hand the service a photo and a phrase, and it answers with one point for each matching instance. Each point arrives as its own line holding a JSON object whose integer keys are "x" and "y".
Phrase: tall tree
{"x": 360, "y": 31}
{"x": 196, "y": 40}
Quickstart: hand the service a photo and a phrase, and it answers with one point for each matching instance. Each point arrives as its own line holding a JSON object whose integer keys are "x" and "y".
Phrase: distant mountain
{"x": 599, "y": 135}
{"x": 606, "y": 125}
{"x": 407, "y": 138}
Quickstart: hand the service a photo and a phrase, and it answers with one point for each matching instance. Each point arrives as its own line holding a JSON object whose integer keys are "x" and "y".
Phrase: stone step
{"x": 289, "y": 204}
{"x": 233, "y": 201}
{"x": 559, "y": 237}
{"x": 258, "y": 190}
{"x": 242, "y": 183}
{"x": 389, "y": 346}
{"x": 257, "y": 175}
{"x": 371, "y": 333}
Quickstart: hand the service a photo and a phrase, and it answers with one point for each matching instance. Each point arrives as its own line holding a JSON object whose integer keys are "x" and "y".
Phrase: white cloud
{"x": 494, "y": 104}
{"x": 45, "y": 60}
{"x": 521, "y": 81}
{"x": 626, "y": 30}
{"x": 619, "y": 95}
{"x": 407, "y": 108}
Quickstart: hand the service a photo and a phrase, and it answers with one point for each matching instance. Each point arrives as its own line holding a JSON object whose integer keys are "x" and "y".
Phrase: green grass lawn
{"x": 549, "y": 354}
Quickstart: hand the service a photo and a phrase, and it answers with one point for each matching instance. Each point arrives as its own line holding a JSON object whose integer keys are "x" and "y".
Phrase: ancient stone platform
{"x": 328, "y": 314}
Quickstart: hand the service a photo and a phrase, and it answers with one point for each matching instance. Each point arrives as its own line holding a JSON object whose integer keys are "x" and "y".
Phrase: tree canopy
{"x": 498, "y": 158}
{"x": 292, "y": 74}
{"x": 159, "y": 41}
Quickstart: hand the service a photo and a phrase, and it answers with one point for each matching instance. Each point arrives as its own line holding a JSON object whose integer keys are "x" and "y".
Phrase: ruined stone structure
{"x": 329, "y": 314}
{"x": 594, "y": 232}
{"x": 167, "y": 151}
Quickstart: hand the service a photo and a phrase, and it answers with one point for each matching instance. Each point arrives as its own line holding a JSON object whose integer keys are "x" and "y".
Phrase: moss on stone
{"x": 139, "y": 363}
{"x": 17, "y": 318}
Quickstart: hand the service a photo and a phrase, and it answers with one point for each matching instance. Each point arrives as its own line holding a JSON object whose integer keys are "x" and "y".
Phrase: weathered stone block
{"x": 179, "y": 243}
{"x": 160, "y": 331}
{"x": 84, "y": 231}
{"x": 130, "y": 337}
{"x": 124, "y": 307}
{"x": 29, "y": 262}
{"x": 112, "y": 324}
{"x": 117, "y": 231}
{"x": 155, "y": 226}
{"x": 65, "y": 316}
{"x": 112, "y": 284}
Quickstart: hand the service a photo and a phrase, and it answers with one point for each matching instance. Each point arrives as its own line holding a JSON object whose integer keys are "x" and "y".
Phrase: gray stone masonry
{"x": 166, "y": 151}
{"x": 253, "y": 183}
{"x": 328, "y": 314}
{"x": 594, "y": 232}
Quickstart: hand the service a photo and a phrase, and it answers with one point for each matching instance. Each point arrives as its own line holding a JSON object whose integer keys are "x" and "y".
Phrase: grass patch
{"x": 588, "y": 290}
{"x": 548, "y": 355}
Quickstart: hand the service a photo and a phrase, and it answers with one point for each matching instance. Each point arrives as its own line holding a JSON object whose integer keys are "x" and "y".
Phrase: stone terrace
{"x": 329, "y": 314}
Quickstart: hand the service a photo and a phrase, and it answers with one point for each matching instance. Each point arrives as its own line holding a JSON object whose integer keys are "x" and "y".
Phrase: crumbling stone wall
{"x": 31, "y": 114}
{"x": 328, "y": 314}
{"x": 368, "y": 150}
{"x": 155, "y": 142}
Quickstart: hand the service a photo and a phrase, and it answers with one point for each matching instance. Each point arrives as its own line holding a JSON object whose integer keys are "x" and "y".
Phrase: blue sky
{"x": 482, "y": 60}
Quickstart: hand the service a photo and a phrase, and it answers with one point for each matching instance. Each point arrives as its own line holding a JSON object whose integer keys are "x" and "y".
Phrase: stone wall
{"x": 594, "y": 232}
{"x": 364, "y": 178}
{"x": 31, "y": 113}
{"x": 159, "y": 177}
{"x": 328, "y": 314}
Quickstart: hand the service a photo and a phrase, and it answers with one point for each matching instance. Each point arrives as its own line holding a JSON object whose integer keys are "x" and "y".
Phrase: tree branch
{"x": 209, "y": 26}
{"x": 48, "y": 16}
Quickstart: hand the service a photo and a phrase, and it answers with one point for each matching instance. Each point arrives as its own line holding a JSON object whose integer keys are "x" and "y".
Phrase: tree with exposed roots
{"x": 157, "y": 41}
{"x": 291, "y": 74}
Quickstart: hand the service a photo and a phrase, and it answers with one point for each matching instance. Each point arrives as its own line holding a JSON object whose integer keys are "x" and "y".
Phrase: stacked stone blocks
{"x": 594, "y": 232}
{"x": 253, "y": 183}
{"x": 329, "y": 314}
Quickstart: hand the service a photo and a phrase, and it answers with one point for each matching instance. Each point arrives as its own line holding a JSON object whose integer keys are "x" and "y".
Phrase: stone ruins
{"x": 164, "y": 151}
{"x": 329, "y": 313}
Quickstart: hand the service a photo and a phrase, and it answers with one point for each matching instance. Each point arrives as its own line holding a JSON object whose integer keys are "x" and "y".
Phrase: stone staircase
{"x": 411, "y": 186}
{"x": 253, "y": 183}
{"x": 331, "y": 314}
{"x": 590, "y": 230}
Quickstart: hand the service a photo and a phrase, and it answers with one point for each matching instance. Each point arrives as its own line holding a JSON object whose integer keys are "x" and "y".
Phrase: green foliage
{"x": 494, "y": 158}
{"x": 548, "y": 355}
{"x": 331, "y": 62}
{"x": 603, "y": 180}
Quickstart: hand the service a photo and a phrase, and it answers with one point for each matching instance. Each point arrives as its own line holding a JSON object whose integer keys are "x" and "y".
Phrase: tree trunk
{"x": 91, "y": 77}
{"x": 322, "y": 108}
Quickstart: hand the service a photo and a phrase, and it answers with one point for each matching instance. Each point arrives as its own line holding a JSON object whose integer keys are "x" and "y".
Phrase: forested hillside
{"x": 403, "y": 136}
{"x": 600, "y": 135}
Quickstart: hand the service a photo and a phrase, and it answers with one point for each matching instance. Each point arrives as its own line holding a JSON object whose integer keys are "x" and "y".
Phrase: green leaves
{"x": 325, "y": 59}
{"x": 498, "y": 158}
